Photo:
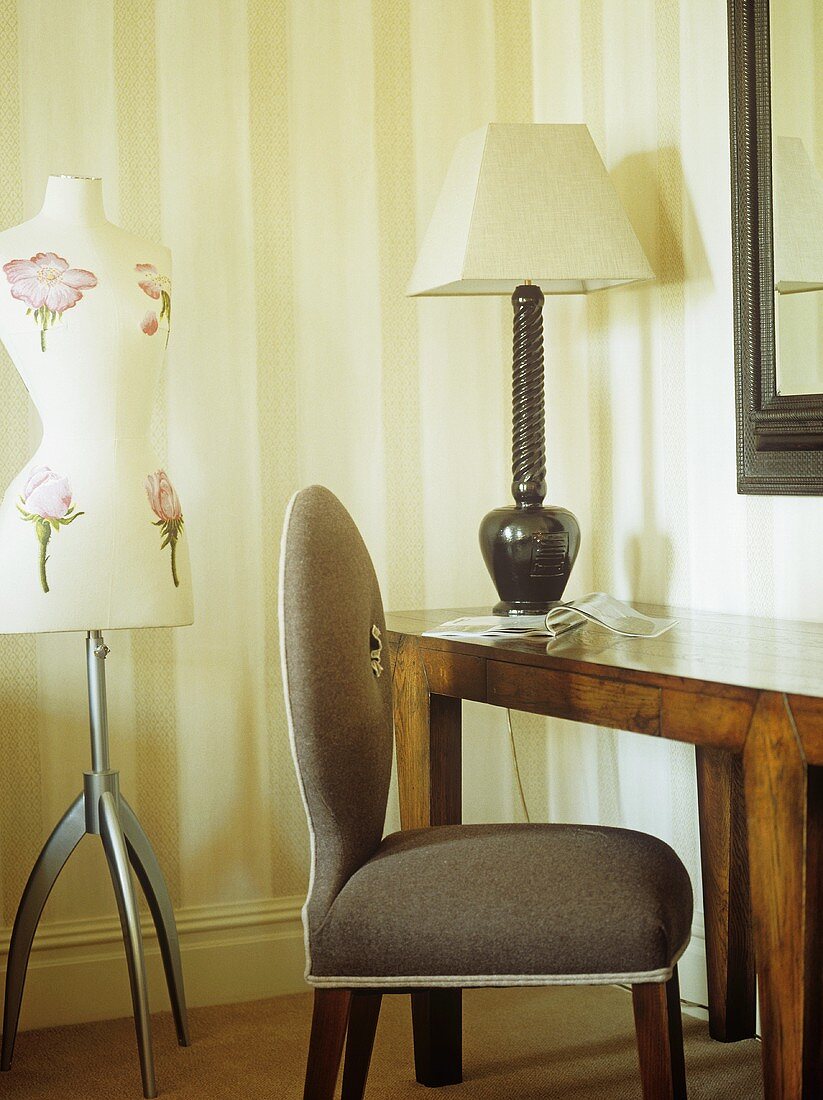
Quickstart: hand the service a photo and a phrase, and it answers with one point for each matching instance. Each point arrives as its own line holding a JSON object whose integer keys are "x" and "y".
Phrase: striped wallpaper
{"x": 290, "y": 153}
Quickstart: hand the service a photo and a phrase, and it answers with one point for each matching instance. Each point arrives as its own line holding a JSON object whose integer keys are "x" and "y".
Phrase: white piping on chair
{"x": 467, "y": 981}
{"x": 290, "y": 722}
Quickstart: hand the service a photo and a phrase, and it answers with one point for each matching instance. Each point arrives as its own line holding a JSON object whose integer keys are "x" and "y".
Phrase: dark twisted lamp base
{"x": 529, "y": 549}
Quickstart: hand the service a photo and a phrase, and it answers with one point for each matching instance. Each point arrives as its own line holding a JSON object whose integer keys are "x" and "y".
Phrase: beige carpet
{"x": 524, "y": 1044}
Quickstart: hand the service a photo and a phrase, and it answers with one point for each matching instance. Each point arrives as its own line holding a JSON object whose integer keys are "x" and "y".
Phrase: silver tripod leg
{"x": 67, "y": 834}
{"x": 101, "y": 811}
{"x": 114, "y": 845}
{"x": 148, "y": 872}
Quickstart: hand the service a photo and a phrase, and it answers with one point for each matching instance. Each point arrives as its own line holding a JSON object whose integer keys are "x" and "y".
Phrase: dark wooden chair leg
{"x": 660, "y": 1039}
{"x": 726, "y": 895}
{"x": 365, "y": 1009}
{"x": 438, "y": 1037}
{"x": 328, "y": 1033}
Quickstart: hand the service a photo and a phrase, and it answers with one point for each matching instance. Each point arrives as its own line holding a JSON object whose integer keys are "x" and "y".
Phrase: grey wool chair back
{"x": 332, "y": 633}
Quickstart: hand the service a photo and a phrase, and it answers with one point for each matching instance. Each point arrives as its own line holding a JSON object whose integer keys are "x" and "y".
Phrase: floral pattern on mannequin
{"x": 165, "y": 504}
{"x": 48, "y": 286}
{"x": 93, "y": 390}
{"x": 46, "y": 502}
{"x": 158, "y": 287}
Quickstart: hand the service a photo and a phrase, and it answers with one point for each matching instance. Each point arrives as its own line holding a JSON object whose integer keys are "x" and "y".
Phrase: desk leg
{"x": 784, "y": 809}
{"x": 429, "y": 773}
{"x": 726, "y": 898}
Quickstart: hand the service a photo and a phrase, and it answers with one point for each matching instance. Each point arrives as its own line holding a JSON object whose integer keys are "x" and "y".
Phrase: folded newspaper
{"x": 597, "y": 607}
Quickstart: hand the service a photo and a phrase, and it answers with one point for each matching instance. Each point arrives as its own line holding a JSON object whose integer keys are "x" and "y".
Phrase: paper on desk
{"x": 491, "y": 626}
{"x": 597, "y": 607}
{"x": 604, "y": 610}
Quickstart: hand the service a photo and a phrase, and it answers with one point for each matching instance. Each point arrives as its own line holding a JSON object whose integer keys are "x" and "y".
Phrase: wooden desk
{"x": 748, "y": 694}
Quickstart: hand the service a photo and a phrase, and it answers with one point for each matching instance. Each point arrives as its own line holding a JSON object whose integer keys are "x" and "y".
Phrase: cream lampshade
{"x": 529, "y": 201}
{"x": 527, "y": 209}
{"x": 798, "y": 219}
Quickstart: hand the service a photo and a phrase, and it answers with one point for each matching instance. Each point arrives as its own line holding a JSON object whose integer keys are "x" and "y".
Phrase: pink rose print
{"x": 46, "y": 502}
{"x": 48, "y": 285}
{"x": 157, "y": 286}
{"x": 166, "y": 506}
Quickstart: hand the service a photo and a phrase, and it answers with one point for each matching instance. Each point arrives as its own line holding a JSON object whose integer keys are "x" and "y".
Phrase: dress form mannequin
{"x": 91, "y": 531}
{"x": 84, "y": 312}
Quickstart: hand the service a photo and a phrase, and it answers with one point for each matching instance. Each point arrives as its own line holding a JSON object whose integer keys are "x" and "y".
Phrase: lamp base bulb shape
{"x": 529, "y": 551}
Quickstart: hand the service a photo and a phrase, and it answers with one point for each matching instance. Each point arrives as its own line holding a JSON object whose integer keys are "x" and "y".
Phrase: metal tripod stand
{"x": 102, "y": 811}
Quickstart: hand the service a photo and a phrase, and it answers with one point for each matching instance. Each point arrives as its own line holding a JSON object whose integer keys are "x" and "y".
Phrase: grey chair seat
{"x": 508, "y": 904}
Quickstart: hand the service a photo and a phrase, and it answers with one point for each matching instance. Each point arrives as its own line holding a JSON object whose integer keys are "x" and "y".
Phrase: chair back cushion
{"x": 337, "y": 681}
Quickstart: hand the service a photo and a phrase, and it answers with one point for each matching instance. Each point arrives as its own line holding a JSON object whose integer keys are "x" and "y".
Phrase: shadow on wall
{"x": 653, "y": 189}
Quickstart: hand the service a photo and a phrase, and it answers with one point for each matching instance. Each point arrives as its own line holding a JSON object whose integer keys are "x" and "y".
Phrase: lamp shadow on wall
{"x": 653, "y": 189}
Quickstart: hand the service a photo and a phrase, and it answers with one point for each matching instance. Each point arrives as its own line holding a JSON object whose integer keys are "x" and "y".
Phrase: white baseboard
{"x": 239, "y": 952}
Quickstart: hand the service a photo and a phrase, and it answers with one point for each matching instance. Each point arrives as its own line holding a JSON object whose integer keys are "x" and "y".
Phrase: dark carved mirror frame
{"x": 779, "y": 438}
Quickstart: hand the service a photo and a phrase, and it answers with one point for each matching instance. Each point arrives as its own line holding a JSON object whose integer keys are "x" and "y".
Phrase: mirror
{"x": 796, "y": 48}
{"x": 776, "y": 112}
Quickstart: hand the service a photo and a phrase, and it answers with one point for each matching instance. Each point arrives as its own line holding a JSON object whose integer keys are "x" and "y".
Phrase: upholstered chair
{"x": 448, "y": 906}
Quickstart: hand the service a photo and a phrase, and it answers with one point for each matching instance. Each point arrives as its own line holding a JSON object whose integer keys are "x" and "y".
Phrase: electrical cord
{"x": 517, "y": 766}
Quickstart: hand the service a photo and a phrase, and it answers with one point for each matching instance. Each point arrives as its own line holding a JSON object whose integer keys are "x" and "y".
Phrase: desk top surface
{"x": 705, "y": 647}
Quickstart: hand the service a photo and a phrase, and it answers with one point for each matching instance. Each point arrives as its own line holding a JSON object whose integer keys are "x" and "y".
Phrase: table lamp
{"x": 91, "y": 530}
{"x": 798, "y": 219}
{"x": 525, "y": 210}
